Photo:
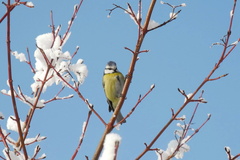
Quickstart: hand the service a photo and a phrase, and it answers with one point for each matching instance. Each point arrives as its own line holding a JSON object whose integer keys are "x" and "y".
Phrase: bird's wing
{"x": 119, "y": 85}
{"x": 110, "y": 107}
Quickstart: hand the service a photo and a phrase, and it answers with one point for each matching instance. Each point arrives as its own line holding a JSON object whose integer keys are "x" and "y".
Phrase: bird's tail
{"x": 120, "y": 117}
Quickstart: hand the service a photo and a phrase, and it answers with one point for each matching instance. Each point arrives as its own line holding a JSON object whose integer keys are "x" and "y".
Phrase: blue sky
{"x": 180, "y": 57}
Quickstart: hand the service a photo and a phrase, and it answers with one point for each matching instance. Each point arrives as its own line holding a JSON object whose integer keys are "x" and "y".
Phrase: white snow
{"x": 188, "y": 96}
{"x": 231, "y": 13}
{"x": 12, "y": 124}
{"x": 50, "y": 54}
{"x": 152, "y": 86}
{"x": 19, "y": 56}
{"x": 173, "y": 144}
{"x": 172, "y": 15}
{"x": 1, "y": 115}
{"x": 162, "y": 155}
{"x": 235, "y": 43}
{"x": 152, "y": 24}
{"x": 161, "y": 2}
{"x": 109, "y": 146}
{"x": 183, "y": 5}
{"x": 38, "y": 138}
{"x": 43, "y": 156}
{"x": 30, "y": 4}
{"x": 12, "y": 155}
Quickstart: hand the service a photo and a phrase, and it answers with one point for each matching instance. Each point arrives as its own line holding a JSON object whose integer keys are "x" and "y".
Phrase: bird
{"x": 113, "y": 82}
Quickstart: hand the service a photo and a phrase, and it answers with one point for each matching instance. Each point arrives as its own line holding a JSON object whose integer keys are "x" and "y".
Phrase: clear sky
{"x": 180, "y": 57}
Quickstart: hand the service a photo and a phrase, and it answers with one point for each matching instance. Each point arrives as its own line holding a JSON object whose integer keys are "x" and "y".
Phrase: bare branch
{"x": 216, "y": 66}
{"x": 82, "y": 135}
{"x": 76, "y": 9}
{"x": 29, "y": 62}
{"x": 10, "y": 80}
{"x": 138, "y": 102}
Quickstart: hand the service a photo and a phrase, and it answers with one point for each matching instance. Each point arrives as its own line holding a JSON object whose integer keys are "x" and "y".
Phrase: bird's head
{"x": 111, "y": 67}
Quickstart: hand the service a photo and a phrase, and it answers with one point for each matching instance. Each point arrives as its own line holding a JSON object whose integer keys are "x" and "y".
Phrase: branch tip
{"x": 152, "y": 86}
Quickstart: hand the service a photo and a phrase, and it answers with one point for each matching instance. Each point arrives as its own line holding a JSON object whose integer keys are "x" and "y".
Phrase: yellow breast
{"x": 113, "y": 84}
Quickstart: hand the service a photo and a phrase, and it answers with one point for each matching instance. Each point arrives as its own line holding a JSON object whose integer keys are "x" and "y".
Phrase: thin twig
{"x": 11, "y": 7}
{"x": 140, "y": 99}
{"x": 58, "y": 98}
{"x": 166, "y": 22}
{"x": 235, "y": 157}
{"x": 3, "y": 137}
{"x": 53, "y": 28}
{"x": 82, "y": 135}
{"x": 29, "y": 62}
{"x": 76, "y": 9}
{"x": 116, "y": 150}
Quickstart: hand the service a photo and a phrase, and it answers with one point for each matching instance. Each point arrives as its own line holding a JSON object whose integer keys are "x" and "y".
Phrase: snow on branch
{"x": 111, "y": 144}
{"x": 61, "y": 67}
{"x": 230, "y": 156}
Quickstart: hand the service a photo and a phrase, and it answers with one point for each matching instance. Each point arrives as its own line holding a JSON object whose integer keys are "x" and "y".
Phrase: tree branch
{"x": 10, "y": 81}
{"x": 128, "y": 80}
{"x": 216, "y": 66}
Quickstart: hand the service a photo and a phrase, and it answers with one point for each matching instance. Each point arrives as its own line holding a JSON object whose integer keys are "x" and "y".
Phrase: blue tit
{"x": 113, "y": 82}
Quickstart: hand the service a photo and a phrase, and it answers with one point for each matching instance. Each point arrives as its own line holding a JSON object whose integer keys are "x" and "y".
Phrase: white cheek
{"x": 108, "y": 71}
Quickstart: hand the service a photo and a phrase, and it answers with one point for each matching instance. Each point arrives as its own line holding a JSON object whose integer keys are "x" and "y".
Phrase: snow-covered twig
{"x": 4, "y": 138}
{"x": 56, "y": 97}
{"x": 12, "y": 6}
{"x": 230, "y": 156}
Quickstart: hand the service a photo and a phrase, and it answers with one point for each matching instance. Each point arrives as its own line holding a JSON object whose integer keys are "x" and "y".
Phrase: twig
{"x": 186, "y": 129}
{"x": 116, "y": 150}
{"x": 138, "y": 102}
{"x": 76, "y": 9}
{"x": 58, "y": 98}
{"x": 166, "y": 22}
{"x": 235, "y": 157}
{"x": 213, "y": 79}
{"x": 82, "y": 135}
{"x": 10, "y": 80}
{"x": 36, "y": 139}
{"x": 3, "y": 137}
{"x": 77, "y": 48}
{"x": 29, "y": 62}
{"x": 193, "y": 114}
{"x": 11, "y": 7}
{"x": 37, "y": 150}
{"x": 53, "y": 28}
{"x": 230, "y": 157}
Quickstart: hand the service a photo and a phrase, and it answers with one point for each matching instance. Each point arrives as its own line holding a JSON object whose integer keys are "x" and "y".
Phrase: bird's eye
{"x": 109, "y": 68}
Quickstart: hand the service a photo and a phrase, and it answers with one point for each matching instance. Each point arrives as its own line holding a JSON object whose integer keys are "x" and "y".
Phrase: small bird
{"x": 113, "y": 82}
